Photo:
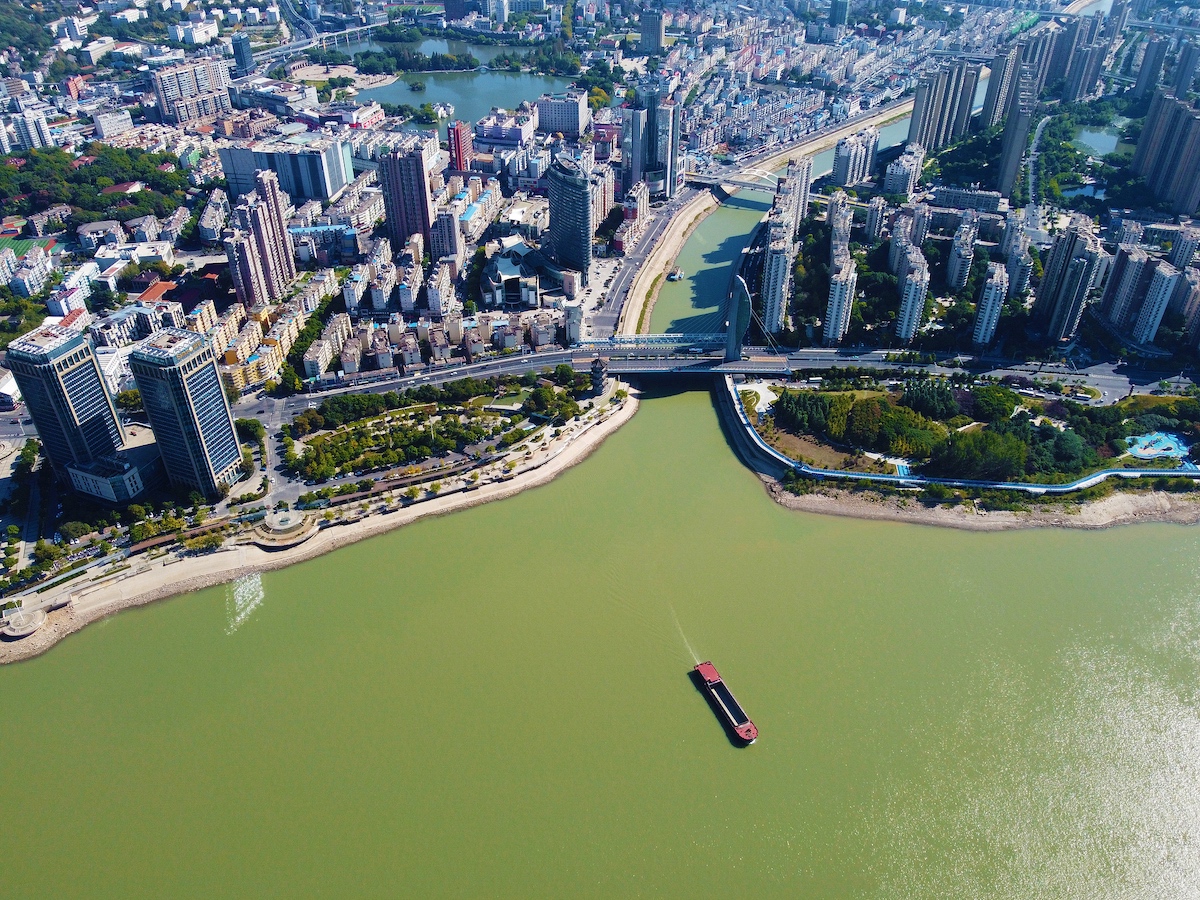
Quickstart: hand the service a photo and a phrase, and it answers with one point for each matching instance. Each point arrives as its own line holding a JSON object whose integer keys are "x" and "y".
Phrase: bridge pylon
{"x": 737, "y": 319}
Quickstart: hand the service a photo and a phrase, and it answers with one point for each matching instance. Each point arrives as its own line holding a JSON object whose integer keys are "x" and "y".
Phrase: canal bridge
{"x": 766, "y": 181}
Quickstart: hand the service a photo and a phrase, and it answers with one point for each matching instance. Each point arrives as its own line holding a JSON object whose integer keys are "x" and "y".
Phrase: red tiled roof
{"x": 155, "y": 292}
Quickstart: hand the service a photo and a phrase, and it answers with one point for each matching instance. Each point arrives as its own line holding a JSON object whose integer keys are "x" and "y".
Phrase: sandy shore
{"x": 1117, "y": 509}
{"x": 150, "y": 580}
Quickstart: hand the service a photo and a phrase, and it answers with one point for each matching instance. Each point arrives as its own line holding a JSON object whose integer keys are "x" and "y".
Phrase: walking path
{"x": 779, "y": 462}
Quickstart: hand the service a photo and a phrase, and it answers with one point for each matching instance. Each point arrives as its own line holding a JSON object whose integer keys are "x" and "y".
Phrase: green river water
{"x": 496, "y": 703}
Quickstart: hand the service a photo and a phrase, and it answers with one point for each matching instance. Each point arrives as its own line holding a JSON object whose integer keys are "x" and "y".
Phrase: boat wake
{"x": 242, "y": 598}
{"x": 686, "y": 642}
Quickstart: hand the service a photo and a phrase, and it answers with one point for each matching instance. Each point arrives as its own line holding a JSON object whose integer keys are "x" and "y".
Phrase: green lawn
{"x": 20, "y": 246}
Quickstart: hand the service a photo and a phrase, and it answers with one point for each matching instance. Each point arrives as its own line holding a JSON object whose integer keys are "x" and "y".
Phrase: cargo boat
{"x": 719, "y": 691}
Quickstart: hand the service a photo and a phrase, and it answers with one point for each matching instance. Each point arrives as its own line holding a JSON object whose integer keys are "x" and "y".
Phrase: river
{"x": 495, "y": 703}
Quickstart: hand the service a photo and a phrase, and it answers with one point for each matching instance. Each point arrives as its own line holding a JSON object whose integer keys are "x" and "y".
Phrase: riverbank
{"x": 1116, "y": 509}
{"x": 635, "y": 318}
{"x": 639, "y": 306}
{"x": 158, "y": 579}
{"x": 827, "y": 139}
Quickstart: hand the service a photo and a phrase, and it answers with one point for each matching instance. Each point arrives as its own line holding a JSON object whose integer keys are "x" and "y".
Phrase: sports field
{"x": 20, "y": 246}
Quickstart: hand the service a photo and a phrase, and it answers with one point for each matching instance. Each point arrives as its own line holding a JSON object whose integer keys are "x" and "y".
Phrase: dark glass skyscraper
{"x": 177, "y": 375}
{"x": 65, "y": 392}
{"x": 571, "y": 214}
{"x": 243, "y": 56}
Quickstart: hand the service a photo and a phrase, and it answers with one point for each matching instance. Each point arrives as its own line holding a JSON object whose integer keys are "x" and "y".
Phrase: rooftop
{"x": 168, "y": 346}
{"x": 43, "y": 341}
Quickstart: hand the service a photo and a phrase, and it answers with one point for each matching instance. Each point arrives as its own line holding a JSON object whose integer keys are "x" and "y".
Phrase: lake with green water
{"x": 495, "y": 703}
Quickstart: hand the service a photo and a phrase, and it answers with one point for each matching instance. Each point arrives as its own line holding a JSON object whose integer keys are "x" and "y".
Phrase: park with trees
{"x": 983, "y": 430}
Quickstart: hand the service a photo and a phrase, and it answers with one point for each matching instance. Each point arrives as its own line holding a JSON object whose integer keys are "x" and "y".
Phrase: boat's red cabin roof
{"x": 708, "y": 672}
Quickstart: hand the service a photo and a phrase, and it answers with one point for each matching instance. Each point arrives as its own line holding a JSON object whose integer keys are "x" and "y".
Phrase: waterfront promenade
{"x": 135, "y": 581}
{"x": 772, "y": 462}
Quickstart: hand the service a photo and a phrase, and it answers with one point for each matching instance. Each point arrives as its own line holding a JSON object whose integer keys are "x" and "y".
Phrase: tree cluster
{"x": 48, "y": 178}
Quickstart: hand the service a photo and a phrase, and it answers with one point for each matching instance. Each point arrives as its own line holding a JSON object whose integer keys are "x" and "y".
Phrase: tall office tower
{"x": 991, "y": 301}
{"x": 1019, "y": 268}
{"x": 839, "y": 12}
{"x": 176, "y": 373}
{"x": 198, "y": 89}
{"x": 1069, "y": 275}
{"x": 456, "y": 9}
{"x": 942, "y": 106}
{"x": 1186, "y": 66}
{"x": 668, "y": 123}
{"x": 1127, "y": 281}
{"x": 1168, "y": 153}
{"x": 1162, "y": 288}
{"x": 243, "y": 56}
{"x": 1086, "y": 65}
{"x": 660, "y": 136}
{"x": 461, "y": 137}
{"x": 259, "y": 247}
{"x": 901, "y": 241}
{"x": 31, "y": 130}
{"x": 1016, "y": 132}
{"x": 1152, "y": 65}
{"x": 570, "y": 226}
{"x": 404, "y": 178}
{"x": 446, "y": 237}
{"x": 922, "y": 218}
{"x": 633, "y": 148}
{"x": 962, "y": 254}
{"x": 1001, "y": 85}
{"x": 876, "y": 213}
{"x": 1183, "y": 251}
{"x": 843, "y": 280}
{"x": 914, "y": 288}
{"x": 654, "y": 31}
{"x": 67, "y": 398}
